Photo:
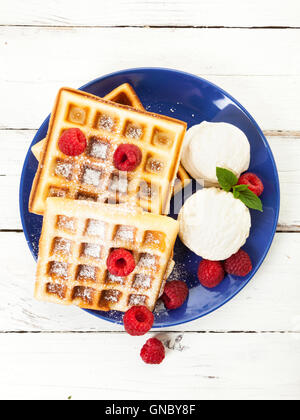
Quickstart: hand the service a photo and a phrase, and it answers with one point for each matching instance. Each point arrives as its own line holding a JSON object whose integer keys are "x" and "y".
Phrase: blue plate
{"x": 191, "y": 99}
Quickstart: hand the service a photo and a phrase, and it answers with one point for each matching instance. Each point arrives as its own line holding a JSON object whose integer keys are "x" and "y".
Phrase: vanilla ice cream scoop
{"x": 208, "y": 145}
{"x": 214, "y": 224}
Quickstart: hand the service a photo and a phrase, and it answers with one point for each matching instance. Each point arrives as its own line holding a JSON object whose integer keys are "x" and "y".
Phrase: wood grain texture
{"x": 259, "y": 358}
{"x": 55, "y": 54}
{"x": 267, "y": 86}
{"x": 16, "y": 143}
{"x": 107, "y": 366}
{"x": 246, "y": 13}
{"x": 270, "y": 302}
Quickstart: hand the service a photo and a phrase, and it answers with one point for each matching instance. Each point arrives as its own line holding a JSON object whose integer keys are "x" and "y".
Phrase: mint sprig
{"x": 226, "y": 178}
{"x": 228, "y": 181}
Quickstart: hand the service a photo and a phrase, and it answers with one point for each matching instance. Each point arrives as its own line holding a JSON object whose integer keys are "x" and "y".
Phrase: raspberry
{"x": 210, "y": 273}
{"x": 127, "y": 157}
{"x": 120, "y": 263}
{"x": 72, "y": 142}
{"x": 254, "y": 183}
{"x": 175, "y": 294}
{"x": 238, "y": 264}
{"x": 138, "y": 320}
{"x": 153, "y": 352}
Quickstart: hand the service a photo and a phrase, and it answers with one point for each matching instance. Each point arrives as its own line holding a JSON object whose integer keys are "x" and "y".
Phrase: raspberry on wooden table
{"x": 210, "y": 273}
{"x": 253, "y": 181}
{"x": 153, "y": 352}
{"x": 72, "y": 142}
{"x": 175, "y": 294}
{"x": 138, "y": 320}
{"x": 127, "y": 157}
{"x": 120, "y": 263}
{"x": 238, "y": 264}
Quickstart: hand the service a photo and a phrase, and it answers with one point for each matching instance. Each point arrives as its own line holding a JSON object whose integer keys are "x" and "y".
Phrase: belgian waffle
{"x": 92, "y": 175}
{"x": 76, "y": 241}
{"x": 125, "y": 95}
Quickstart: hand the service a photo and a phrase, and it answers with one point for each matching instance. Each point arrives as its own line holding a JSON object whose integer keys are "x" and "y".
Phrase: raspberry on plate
{"x": 238, "y": 264}
{"x": 175, "y": 294}
{"x": 138, "y": 320}
{"x": 153, "y": 352}
{"x": 127, "y": 157}
{"x": 72, "y": 142}
{"x": 210, "y": 273}
{"x": 120, "y": 263}
{"x": 253, "y": 181}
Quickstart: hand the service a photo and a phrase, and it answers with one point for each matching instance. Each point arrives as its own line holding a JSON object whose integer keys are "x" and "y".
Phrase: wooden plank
{"x": 230, "y": 58}
{"x": 201, "y": 51}
{"x": 287, "y": 154}
{"x": 16, "y": 142}
{"x": 107, "y": 366}
{"x": 247, "y": 13}
{"x": 269, "y": 303}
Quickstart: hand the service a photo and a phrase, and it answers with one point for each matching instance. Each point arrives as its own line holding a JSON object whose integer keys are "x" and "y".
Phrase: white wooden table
{"x": 250, "y": 348}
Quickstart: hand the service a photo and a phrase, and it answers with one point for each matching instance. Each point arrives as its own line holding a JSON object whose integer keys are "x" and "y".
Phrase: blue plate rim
{"x": 190, "y": 75}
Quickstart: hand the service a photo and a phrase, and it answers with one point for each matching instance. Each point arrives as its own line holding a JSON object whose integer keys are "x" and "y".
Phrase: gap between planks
{"x": 145, "y": 26}
{"x": 154, "y": 332}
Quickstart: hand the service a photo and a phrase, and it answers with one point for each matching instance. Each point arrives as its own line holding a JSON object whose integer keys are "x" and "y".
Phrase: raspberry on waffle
{"x": 125, "y": 95}
{"x": 92, "y": 175}
{"x": 76, "y": 242}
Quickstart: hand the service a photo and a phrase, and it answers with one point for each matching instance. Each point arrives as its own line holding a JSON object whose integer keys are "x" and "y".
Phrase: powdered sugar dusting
{"x": 62, "y": 246}
{"x": 154, "y": 165}
{"x": 91, "y": 177}
{"x": 111, "y": 295}
{"x": 178, "y": 273}
{"x": 115, "y": 279}
{"x": 64, "y": 169}
{"x": 59, "y": 269}
{"x": 134, "y": 132}
{"x": 66, "y": 223}
{"x": 99, "y": 150}
{"x": 125, "y": 233}
{"x": 106, "y": 122}
{"x": 92, "y": 250}
{"x": 148, "y": 261}
{"x": 57, "y": 192}
{"x": 137, "y": 300}
{"x": 159, "y": 308}
{"x": 152, "y": 238}
{"x": 142, "y": 281}
{"x": 85, "y": 293}
{"x": 87, "y": 272}
{"x": 56, "y": 289}
{"x": 96, "y": 228}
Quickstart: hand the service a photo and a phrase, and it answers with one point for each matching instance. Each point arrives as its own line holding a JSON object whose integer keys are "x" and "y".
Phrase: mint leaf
{"x": 250, "y": 200}
{"x": 236, "y": 189}
{"x": 228, "y": 181}
{"x": 241, "y": 187}
{"x": 226, "y": 178}
{"x": 236, "y": 194}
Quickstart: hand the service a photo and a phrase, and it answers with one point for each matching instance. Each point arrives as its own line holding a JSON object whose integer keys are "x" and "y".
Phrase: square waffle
{"x": 123, "y": 94}
{"x": 76, "y": 241}
{"x": 92, "y": 175}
